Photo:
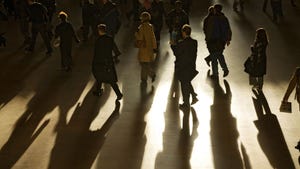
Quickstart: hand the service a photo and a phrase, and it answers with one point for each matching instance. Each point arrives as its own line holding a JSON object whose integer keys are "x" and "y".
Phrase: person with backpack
{"x": 294, "y": 83}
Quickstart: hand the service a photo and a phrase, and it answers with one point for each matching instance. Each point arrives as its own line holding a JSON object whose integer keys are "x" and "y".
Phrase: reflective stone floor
{"x": 50, "y": 119}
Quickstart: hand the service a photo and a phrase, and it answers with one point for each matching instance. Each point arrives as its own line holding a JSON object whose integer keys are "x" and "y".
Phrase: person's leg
{"x": 45, "y": 36}
{"x": 223, "y": 64}
{"x": 143, "y": 72}
{"x": 99, "y": 90}
{"x": 34, "y": 32}
{"x": 193, "y": 93}
{"x": 185, "y": 90}
{"x": 214, "y": 64}
{"x": 117, "y": 90}
{"x": 260, "y": 82}
{"x": 150, "y": 71}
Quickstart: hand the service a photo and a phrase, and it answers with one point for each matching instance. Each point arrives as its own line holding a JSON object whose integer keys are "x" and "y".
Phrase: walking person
{"x": 219, "y": 37}
{"x": 22, "y": 11}
{"x": 66, "y": 33}
{"x": 157, "y": 13}
{"x": 147, "y": 48}
{"x": 103, "y": 67}
{"x": 39, "y": 19}
{"x": 175, "y": 19}
{"x": 185, "y": 65}
{"x": 258, "y": 59}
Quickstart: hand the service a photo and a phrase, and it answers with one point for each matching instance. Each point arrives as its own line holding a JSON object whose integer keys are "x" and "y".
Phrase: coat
{"x": 103, "y": 67}
{"x": 186, "y": 54}
{"x": 145, "y": 33}
{"x": 259, "y": 59}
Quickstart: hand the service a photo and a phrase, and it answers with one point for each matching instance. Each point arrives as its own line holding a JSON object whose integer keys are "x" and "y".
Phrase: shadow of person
{"x": 130, "y": 146}
{"x": 177, "y": 141}
{"x": 187, "y": 138}
{"x": 27, "y": 128}
{"x": 270, "y": 136}
{"x": 224, "y": 133}
{"x": 76, "y": 146}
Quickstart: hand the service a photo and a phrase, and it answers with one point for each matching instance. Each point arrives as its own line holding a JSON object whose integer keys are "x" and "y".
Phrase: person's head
{"x": 218, "y": 8}
{"x": 186, "y": 30}
{"x": 145, "y": 17}
{"x": 104, "y": 1}
{"x": 62, "y": 16}
{"x": 178, "y": 5}
{"x": 101, "y": 29}
{"x": 261, "y": 35}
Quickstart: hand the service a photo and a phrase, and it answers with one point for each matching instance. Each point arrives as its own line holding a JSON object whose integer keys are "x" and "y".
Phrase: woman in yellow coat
{"x": 147, "y": 47}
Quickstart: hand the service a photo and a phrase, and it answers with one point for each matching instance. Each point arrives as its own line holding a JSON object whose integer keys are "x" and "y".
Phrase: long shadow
{"x": 270, "y": 136}
{"x": 166, "y": 158}
{"x": 224, "y": 133}
{"x": 26, "y": 131}
{"x": 13, "y": 74}
{"x": 76, "y": 146}
{"x": 132, "y": 147}
{"x": 177, "y": 142}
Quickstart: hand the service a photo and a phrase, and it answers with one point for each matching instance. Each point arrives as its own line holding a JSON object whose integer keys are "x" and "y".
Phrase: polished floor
{"x": 49, "y": 119}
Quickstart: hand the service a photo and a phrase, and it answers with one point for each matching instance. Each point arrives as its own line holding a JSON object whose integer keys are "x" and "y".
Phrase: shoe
{"x": 298, "y": 146}
{"x": 226, "y": 72}
{"x": 98, "y": 93}
{"x": 120, "y": 96}
{"x": 194, "y": 100}
{"x": 184, "y": 106}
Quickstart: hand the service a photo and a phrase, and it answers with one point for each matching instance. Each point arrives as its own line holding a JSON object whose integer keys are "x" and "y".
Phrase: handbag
{"x": 248, "y": 66}
{"x": 286, "y": 107}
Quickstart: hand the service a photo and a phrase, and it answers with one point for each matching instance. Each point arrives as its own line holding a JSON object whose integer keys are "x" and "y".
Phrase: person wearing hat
{"x": 66, "y": 33}
{"x": 148, "y": 46}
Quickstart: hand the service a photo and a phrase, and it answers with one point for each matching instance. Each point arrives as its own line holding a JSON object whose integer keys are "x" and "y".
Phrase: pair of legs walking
{"x": 218, "y": 57}
{"x": 187, "y": 90}
{"x": 114, "y": 85}
{"x": 146, "y": 71}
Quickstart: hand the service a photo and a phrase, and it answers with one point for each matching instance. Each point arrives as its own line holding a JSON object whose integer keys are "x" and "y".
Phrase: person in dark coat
{"x": 217, "y": 36}
{"x": 88, "y": 19}
{"x": 259, "y": 58}
{"x": 22, "y": 12}
{"x": 157, "y": 12}
{"x": 66, "y": 33}
{"x": 175, "y": 20}
{"x": 185, "y": 65}
{"x": 39, "y": 19}
{"x": 103, "y": 67}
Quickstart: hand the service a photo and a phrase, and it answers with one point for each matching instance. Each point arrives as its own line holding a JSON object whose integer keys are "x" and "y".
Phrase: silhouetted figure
{"x": 66, "y": 33}
{"x": 146, "y": 53}
{"x": 186, "y": 4}
{"x": 157, "y": 12}
{"x": 39, "y": 19}
{"x": 276, "y": 6}
{"x": 175, "y": 20}
{"x": 88, "y": 19}
{"x": 258, "y": 59}
{"x": 218, "y": 34}
{"x": 51, "y": 8}
{"x": 293, "y": 84}
{"x": 185, "y": 65}
{"x": 103, "y": 64}
{"x": 207, "y": 29}
{"x": 22, "y": 10}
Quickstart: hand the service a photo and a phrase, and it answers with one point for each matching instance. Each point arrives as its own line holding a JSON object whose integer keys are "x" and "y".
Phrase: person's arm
{"x": 290, "y": 88}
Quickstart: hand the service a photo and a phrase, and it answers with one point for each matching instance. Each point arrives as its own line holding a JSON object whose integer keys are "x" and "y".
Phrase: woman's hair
{"x": 145, "y": 16}
{"x": 261, "y": 35}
